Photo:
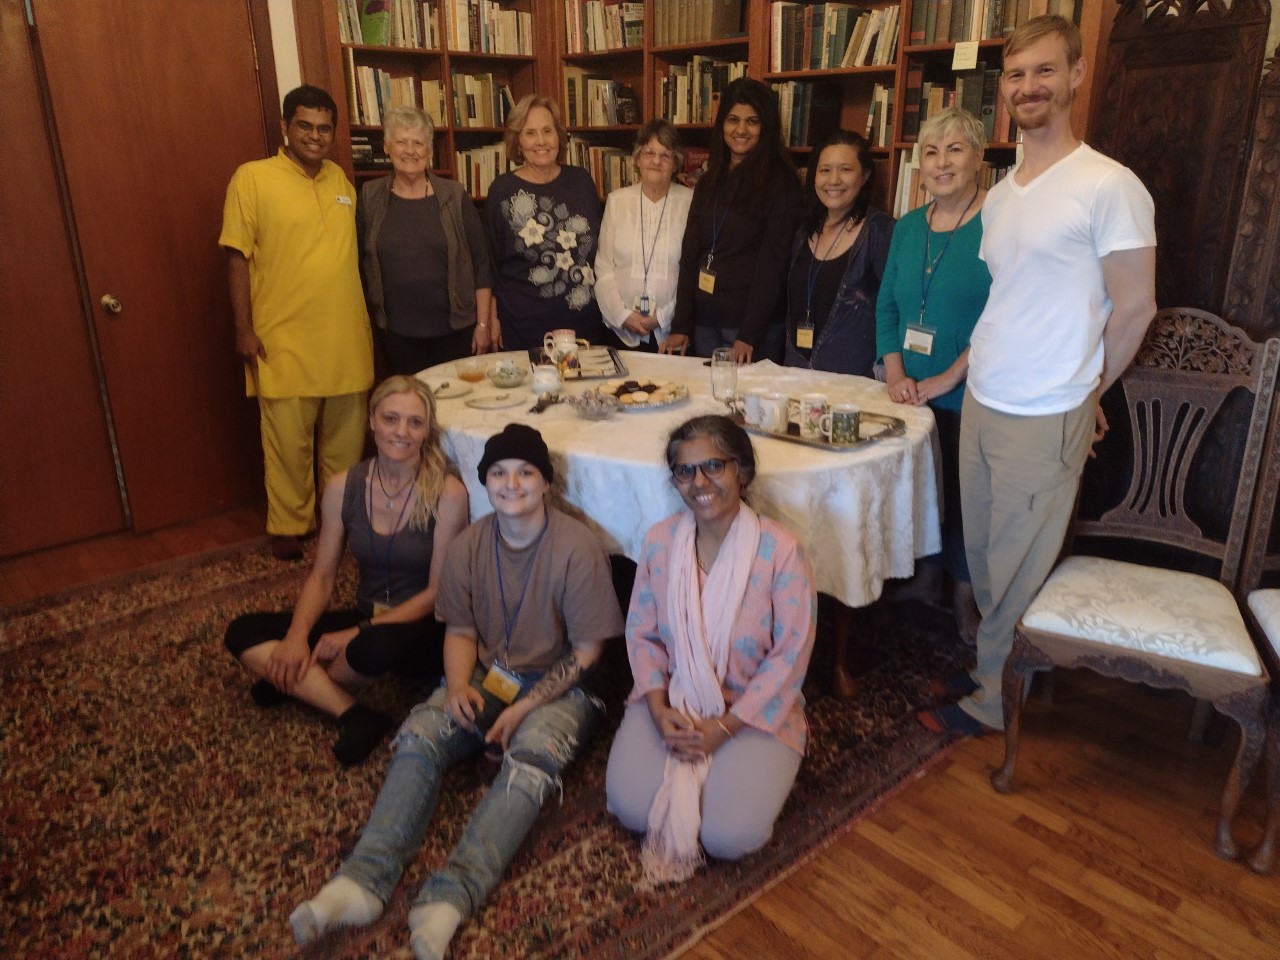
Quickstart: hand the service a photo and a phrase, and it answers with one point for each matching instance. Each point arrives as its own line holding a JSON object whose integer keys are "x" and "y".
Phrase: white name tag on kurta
{"x": 345, "y": 201}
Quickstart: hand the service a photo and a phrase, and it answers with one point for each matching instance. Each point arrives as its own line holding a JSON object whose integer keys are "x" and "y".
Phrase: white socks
{"x": 431, "y": 927}
{"x": 340, "y": 903}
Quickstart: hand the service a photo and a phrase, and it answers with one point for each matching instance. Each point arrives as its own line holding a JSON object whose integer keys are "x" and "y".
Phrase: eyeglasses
{"x": 684, "y": 472}
{"x": 662, "y": 156}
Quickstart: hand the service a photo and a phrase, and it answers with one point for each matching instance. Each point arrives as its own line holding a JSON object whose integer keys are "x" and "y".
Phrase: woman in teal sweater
{"x": 933, "y": 292}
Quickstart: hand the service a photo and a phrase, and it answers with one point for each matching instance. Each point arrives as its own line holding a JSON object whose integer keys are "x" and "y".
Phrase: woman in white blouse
{"x": 638, "y": 261}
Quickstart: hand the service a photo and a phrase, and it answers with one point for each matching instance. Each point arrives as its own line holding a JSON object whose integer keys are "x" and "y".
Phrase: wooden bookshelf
{"x": 644, "y": 65}
{"x": 328, "y": 60}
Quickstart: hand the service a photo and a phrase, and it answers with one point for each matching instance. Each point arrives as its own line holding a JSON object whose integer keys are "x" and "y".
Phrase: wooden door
{"x": 57, "y": 474}
{"x": 155, "y": 103}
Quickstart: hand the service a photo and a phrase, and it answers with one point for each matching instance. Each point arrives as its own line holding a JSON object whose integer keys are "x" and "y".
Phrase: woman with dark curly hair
{"x": 745, "y": 211}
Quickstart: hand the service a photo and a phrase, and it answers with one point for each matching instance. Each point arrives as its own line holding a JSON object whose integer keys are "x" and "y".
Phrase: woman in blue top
{"x": 935, "y": 286}
{"x": 837, "y": 262}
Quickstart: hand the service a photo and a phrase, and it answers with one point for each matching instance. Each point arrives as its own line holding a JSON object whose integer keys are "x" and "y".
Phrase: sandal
{"x": 951, "y": 720}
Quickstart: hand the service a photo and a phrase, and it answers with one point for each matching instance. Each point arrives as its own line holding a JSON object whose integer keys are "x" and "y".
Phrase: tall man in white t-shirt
{"x": 1069, "y": 238}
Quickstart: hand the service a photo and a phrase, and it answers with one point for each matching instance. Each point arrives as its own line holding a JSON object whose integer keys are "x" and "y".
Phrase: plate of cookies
{"x": 637, "y": 395}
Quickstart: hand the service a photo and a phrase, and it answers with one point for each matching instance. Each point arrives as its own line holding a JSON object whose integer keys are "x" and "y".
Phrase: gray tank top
{"x": 392, "y": 568}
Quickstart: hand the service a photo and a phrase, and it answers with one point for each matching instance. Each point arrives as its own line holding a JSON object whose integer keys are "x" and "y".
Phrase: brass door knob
{"x": 111, "y": 305}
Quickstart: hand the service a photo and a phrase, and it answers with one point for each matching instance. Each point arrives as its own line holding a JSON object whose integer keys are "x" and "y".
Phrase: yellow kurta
{"x": 299, "y": 235}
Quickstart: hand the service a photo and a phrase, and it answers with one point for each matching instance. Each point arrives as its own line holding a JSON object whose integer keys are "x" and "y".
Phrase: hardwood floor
{"x": 1103, "y": 851}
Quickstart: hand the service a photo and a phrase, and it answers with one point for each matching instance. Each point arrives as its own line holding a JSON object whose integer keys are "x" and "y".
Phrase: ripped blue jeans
{"x": 428, "y": 743}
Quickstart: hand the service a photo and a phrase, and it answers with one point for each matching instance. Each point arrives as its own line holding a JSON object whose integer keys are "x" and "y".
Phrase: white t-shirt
{"x": 620, "y": 273}
{"x": 1037, "y": 348}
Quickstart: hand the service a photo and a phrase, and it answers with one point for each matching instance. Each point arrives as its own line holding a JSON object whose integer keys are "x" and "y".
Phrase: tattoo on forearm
{"x": 558, "y": 679}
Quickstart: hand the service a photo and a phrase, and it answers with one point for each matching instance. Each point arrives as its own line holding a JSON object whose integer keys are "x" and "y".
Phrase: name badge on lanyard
{"x": 502, "y": 683}
{"x": 919, "y": 339}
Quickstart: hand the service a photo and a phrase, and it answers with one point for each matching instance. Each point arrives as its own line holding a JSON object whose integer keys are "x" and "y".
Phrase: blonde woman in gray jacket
{"x": 424, "y": 260}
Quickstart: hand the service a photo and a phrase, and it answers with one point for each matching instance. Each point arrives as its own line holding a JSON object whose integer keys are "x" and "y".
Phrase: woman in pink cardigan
{"x": 719, "y": 635}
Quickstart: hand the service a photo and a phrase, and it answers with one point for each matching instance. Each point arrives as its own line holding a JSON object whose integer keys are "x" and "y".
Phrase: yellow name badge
{"x": 380, "y": 608}
{"x": 502, "y": 684}
{"x": 706, "y": 281}
{"x": 804, "y": 338}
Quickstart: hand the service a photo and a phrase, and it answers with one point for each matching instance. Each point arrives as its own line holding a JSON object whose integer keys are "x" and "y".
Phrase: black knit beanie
{"x": 517, "y": 442}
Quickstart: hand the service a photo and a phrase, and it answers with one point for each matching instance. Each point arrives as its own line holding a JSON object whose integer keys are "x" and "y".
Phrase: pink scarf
{"x": 701, "y": 632}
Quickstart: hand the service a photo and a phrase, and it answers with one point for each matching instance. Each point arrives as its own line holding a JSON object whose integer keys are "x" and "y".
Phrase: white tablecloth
{"x": 864, "y": 515}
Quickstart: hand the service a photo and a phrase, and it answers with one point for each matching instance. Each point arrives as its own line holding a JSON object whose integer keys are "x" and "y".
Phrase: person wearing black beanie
{"x": 517, "y": 442}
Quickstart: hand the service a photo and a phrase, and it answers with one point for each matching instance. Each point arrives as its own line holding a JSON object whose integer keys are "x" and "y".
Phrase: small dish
{"x": 498, "y": 401}
{"x": 594, "y": 405}
{"x": 506, "y": 374}
{"x": 450, "y": 389}
{"x": 470, "y": 369}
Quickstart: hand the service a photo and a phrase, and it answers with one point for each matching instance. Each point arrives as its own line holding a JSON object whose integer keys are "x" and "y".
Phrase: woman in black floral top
{"x": 543, "y": 221}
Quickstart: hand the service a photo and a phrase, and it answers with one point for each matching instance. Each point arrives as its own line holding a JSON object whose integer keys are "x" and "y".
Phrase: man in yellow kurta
{"x": 301, "y": 326}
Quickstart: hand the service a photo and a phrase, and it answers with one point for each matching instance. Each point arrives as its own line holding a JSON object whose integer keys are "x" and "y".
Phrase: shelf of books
{"x": 464, "y": 62}
{"x": 953, "y": 56}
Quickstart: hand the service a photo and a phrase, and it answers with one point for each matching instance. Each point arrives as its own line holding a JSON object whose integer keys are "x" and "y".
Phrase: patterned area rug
{"x": 149, "y": 809}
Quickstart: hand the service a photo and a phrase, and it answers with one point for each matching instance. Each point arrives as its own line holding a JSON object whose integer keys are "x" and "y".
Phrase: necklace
{"x": 931, "y": 263}
{"x": 392, "y": 497}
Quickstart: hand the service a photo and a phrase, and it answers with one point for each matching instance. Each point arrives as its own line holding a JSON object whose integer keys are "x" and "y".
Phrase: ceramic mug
{"x": 815, "y": 417}
{"x": 751, "y": 407}
{"x": 846, "y": 420}
{"x": 774, "y": 412}
{"x": 561, "y": 347}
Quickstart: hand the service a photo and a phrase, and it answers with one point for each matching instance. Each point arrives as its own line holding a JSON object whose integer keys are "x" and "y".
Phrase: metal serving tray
{"x": 595, "y": 363}
{"x": 884, "y": 425}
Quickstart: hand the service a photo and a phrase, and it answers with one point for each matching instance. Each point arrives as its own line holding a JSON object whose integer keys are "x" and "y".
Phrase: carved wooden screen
{"x": 1176, "y": 107}
{"x": 1253, "y": 285}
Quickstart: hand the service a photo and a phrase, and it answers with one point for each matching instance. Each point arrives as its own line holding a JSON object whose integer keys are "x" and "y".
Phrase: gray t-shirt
{"x": 415, "y": 268}
{"x": 569, "y": 601}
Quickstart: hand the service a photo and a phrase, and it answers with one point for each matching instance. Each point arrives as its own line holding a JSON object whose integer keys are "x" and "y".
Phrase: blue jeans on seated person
{"x": 429, "y": 742}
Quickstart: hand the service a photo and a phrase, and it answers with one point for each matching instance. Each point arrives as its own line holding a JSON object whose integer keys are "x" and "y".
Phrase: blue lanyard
{"x": 647, "y": 259}
{"x": 814, "y": 269}
{"x": 927, "y": 269}
{"x": 509, "y": 622}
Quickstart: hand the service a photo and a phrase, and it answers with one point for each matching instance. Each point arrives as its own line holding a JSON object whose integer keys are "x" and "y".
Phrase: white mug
{"x": 815, "y": 417}
{"x": 774, "y": 412}
{"x": 751, "y": 407}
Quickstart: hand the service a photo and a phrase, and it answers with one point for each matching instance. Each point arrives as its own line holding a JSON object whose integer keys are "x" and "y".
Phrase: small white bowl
{"x": 507, "y": 373}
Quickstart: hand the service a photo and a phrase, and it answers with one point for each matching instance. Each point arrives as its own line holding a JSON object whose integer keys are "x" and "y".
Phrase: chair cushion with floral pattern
{"x": 1265, "y": 605}
{"x": 1166, "y": 613}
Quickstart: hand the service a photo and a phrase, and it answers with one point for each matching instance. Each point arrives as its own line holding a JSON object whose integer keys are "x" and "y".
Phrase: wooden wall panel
{"x": 1177, "y": 107}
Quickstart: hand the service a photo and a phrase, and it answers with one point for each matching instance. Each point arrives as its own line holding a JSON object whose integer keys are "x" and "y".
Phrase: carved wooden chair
{"x": 1262, "y": 612}
{"x": 1144, "y": 623}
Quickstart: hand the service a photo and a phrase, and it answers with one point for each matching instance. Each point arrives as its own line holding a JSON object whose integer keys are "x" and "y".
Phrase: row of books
{"x": 693, "y": 21}
{"x": 367, "y": 152}
{"x": 389, "y": 23}
{"x": 371, "y": 91}
{"x": 610, "y": 167}
{"x": 483, "y": 26}
{"x": 477, "y": 168}
{"x": 479, "y": 100}
{"x": 831, "y": 36}
{"x": 810, "y": 111}
{"x": 910, "y": 192}
{"x": 880, "y": 116}
{"x": 955, "y": 21}
{"x": 594, "y": 25}
{"x": 976, "y": 90}
{"x": 595, "y": 101}
{"x": 690, "y": 93}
